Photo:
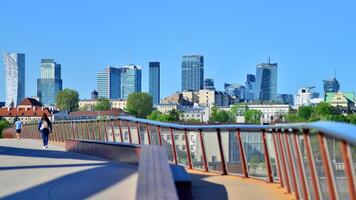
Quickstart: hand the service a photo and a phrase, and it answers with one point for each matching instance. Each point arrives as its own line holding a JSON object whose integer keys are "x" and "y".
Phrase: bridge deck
{"x": 29, "y": 172}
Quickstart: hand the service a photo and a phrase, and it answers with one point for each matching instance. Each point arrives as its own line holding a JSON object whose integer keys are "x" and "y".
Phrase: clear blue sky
{"x": 308, "y": 39}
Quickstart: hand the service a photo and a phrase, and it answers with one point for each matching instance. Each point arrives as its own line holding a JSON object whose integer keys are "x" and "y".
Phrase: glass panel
{"x": 181, "y": 147}
{"x": 133, "y": 130}
{"x": 125, "y": 132}
{"x": 167, "y": 142}
{"x": 109, "y": 131}
{"x": 287, "y": 159}
{"x": 143, "y": 133}
{"x": 314, "y": 143}
{"x": 195, "y": 150}
{"x": 154, "y": 135}
{"x": 117, "y": 131}
{"x": 272, "y": 156}
{"x": 231, "y": 152}
{"x": 252, "y": 143}
{"x": 212, "y": 151}
{"x": 338, "y": 167}
{"x": 294, "y": 155}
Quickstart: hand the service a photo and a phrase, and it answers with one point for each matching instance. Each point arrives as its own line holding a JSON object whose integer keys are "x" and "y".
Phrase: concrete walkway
{"x": 213, "y": 186}
{"x": 29, "y": 172}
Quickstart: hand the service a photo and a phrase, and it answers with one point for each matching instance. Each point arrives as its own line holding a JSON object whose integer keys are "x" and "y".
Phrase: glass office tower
{"x": 50, "y": 83}
{"x": 130, "y": 82}
{"x": 14, "y": 64}
{"x": 209, "y": 84}
{"x": 192, "y": 73}
{"x": 154, "y": 81}
{"x": 332, "y": 86}
{"x": 266, "y": 81}
{"x": 108, "y": 83}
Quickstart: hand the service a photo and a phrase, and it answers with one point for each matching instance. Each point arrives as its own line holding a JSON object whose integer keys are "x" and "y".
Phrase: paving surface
{"x": 29, "y": 172}
{"x": 213, "y": 186}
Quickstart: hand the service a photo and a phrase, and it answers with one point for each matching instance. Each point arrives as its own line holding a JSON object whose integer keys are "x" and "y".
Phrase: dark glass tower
{"x": 154, "y": 81}
{"x": 266, "y": 81}
{"x": 209, "y": 84}
{"x": 332, "y": 86}
{"x": 192, "y": 73}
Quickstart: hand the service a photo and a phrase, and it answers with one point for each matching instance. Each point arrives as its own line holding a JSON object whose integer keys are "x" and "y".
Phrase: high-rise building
{"x": 192, "y": 72}
{"x": 235, "y": 90}
{"x": 130, "y": 76}
{"x": 250, "y": 87}
{"x": 14, "y": 64}
{"x": 108, "y": 83}
{"x": 331, "y": 86}
{"x": 154, "y": 81}
{"x": 50, "y": 83}
{"x": 94, "y": 95}
{"x": 266, "y": 81}
{"x": 209, "y": 84}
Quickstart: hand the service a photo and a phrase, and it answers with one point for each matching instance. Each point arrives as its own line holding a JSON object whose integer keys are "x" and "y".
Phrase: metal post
{"x": 284, "y": 164}
{"x": 267, "y": 161}
{"x": 311, "y": 163}
{"x": 99, "y": 131}
{"x": 174, "y": 148}
{"x": 106, "y": 132}
{"x": 113, "y": 131}
{"x": 72, "y": 129}
{"x": 203, "y": 150}
{"x": 188, "y": 149}
{"x": 346, "y": 155}
{"x": 159, "y": 135}
{"x": 291, "y": 165}
{"x": 277, "y": 158}
{"x": 326, "y": 163}
{"x": 242, "y": 154}
{"x": 83, "y": 131}
{"x": 67, "y": 130}
{"x": 300, "y": 166}
{"x": 138, "y": 133}
{"x": 92, "y": 129}
{"x": 148, "y": 133}
{"x": 223, "y": 164}
{"x": 120, "y": 129}
{"x": 129, "y": 131}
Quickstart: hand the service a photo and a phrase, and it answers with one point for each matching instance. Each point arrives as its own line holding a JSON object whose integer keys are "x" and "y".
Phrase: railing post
{"x": 188, "y": 149}
{"x": 138, "y": 133}
{"x": 277, "y": 158}
{"x": 203, "y": 150}
{"x": 159, "y": 135}
{"x": 222, "y": 157}
{"x": 148, "y": 134}
{"x": 67, "y": 130}
{"x": 291, "y": 165}
{"x": 99, "y": 131}
{"x": 83, "y": 130}
{"x": 106, "y": 132}
{"x": 327, "y": 167}
{"x": 129, "y": 131}
{"x": 93, "y": 129}
{"x": 300, "y": 166}
{"x": 267, "y": 161}
{"x": 174, "y": 148}
{"x": 72, "y": 129}
{"x": 77, "y": 124}
{"x": 120, "y": 129}
{"x": 284, "y": 163}
{"x": 242, "y": 154}
{"x": 345, "y": 153}
{"x": 112, "y": 130}
{"x": 311, "y": 163}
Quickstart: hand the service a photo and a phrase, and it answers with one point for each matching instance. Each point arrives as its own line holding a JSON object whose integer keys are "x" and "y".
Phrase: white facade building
{"x": 14, "y": 64}
{"x": 115, "y": 103}
{"x": 306, "y": 97}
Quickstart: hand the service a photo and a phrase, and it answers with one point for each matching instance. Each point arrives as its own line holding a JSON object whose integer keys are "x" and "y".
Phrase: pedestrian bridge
{"x": 130, "y": 158}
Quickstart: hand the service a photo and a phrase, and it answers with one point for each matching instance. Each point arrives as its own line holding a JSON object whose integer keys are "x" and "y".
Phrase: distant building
{"x": 154, "y": 82}
{"x": 209, "y": 84}
{"x": 94, "y": 95}
{"x": 29, "y": 110}
{"x": 343, "y": 100}
{"x": 84, "y": 115}
{"x": 131, "y": 76}
{"x": 331, "y": 86}
{"x": 166, "y": 108}
{"x": 285, "y": 99}
{"x": 198, "y": 113}
{"x": 306, "y": 97}
{"x": 210, "y": 98}
{"x": 266, "y": 81}
{"x": 177, "y": 98}
{"x": 236, "y": 90}
{"x": 250, "y": 87}
{"x": 192, "y": 72}
{"x": 115, "y": 103}
{"x": 14, "y": 64}
{"x": 50, "y": 83}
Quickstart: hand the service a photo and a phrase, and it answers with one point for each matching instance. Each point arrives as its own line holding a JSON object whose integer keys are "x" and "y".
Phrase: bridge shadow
{"x": 78, "y": 185}
{"x": 203, "y": 189}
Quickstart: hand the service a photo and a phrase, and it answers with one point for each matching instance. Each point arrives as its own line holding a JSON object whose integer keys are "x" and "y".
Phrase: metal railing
{"x": 311, "y": 160}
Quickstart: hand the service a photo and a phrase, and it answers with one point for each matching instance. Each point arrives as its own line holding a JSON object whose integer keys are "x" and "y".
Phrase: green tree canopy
{"x": 220, "y": 115}
{"x": 253, "y": 116}
{"x": 103, "y": 104}
{"x": 139, "y": 104}
{"x": 68, "y": 99}
{"x": 305, "y": 112}
{"x": 324, "y": 109}
{"x": 3, "y": 124}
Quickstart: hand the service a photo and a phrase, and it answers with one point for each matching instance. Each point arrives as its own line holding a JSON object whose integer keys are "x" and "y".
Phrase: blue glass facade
{"x": 332, "y": 86}
{"x": 130, "y": 80}
{"x": 192, "y": 73}
{"x": 154, "y": 81}
{"x": 266, "y": 81}
{"x": 50, "y": 83}
{"x": 108, "y": 83}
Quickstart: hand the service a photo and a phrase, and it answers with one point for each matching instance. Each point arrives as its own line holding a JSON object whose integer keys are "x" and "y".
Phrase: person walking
{"x": 18, "y": 127}
{"x": 45, "y": 127}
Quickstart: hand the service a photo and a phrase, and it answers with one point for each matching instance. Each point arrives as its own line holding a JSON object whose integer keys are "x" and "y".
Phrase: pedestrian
{"x": 45, "y": 127}
{"x": 18, "y": 127}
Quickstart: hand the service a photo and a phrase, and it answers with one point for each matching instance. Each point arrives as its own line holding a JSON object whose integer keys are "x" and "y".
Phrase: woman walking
{"x": 45, "y": 127}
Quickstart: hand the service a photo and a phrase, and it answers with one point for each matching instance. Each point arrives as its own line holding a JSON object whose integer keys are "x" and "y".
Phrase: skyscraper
{"x": 14, "y": 78}
{"x": 235, "y": 90}
{"x": 130, "y": 76}
{"x": 50, "y": 83}
{"x": 154, "y": 81}
{"x": 209, "y": 84}
{"x": 192, "y": 72}
{"x": 250, "y": 87}
{"x": 266, "y": 81}
{"x": 108, "y": 83}
{"x": 331, "y": 85}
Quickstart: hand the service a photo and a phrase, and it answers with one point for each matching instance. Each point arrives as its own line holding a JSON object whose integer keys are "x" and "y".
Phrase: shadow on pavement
{"x": 50, "y": 166}
{"x": 202, "y": 189}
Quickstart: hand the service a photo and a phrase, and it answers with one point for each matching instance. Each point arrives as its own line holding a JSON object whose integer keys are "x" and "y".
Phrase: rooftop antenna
{"x": 269, "y": 60}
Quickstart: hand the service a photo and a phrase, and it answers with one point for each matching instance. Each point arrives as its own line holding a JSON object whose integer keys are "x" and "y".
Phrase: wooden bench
{"x": 182, "y": 181}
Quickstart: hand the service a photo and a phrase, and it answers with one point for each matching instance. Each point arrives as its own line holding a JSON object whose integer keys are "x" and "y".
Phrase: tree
{"x": 154, "y": 115}
{"x": 3, "y": 124}
{"x": 305, "y": 112}
{"x": 324, "y": 109}
{"x": 219, "y": 115}
{"x": 139, "y": 104}
{"x": 253, "y": 116}
{"x": 68, "y": 99}
{"x": 103, "y": 104}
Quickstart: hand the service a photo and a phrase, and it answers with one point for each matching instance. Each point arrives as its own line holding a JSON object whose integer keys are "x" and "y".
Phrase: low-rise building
{"x": 198, "y": 113}
{"x": 166, "y": 108}
{"x": 345, "y": 100}
{"x": 306, "y": 97}
{"x": 115, "y": 103}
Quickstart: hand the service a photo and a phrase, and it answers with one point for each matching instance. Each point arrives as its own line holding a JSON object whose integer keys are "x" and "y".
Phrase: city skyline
{"x": 232, "y": 42}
